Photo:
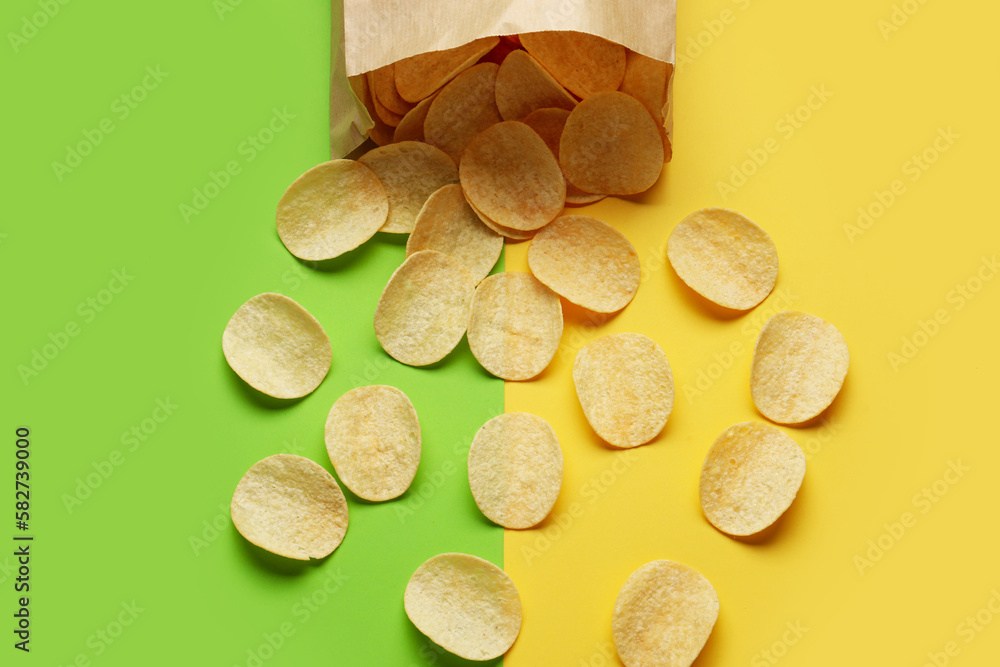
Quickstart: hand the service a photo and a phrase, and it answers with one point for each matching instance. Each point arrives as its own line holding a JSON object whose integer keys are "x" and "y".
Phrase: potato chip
{"x": 724, "y": 257}
{"x": 277, "y": 347}
{"x": 625, "y": 387}
{"x": 647, "y": 80}
{"x": 799, "y": 366}
{"x": 549, "y": 124}
{"x": 464, "y": 604}
{"x": 411, "y": 172}
{"x": 515, "y": 326}
{"x": 448, "y": 224}
{"x": 585, "y": 64}
{"x": 411, "y": 128}
{"x": 290, "y": 506}
{"x": 388, "y": 117}
{"x": 506, "y": 232}
{"x": 373, "y": 439}
{"x": 750, "y": 477}
{"x": 522, "y": 86}
{"x": 464, "y": 108}
{"x": 380, "y": 133}
{"x": 419, "y": 76}
{"x": 384, "y": 80}
{"x": 515, "y": 469}
{"x": 424, "y": 309}
{"x": 663, "y": 615}
{"x": 611, "y": 146}
{"x": 508, "y": 173}
{"x": 587, "y": 262}
{"x": 332, "y": 208}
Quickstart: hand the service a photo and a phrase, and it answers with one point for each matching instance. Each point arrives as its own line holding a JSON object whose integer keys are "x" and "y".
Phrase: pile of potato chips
{"x": 487, "y": 141}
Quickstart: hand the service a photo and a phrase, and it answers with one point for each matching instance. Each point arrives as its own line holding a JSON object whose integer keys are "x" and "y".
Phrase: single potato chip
{"x": 424, "y": 309}
{"x": 799, "y": 366}
{"x": 388, "y": 117}
{"x": 411, "y": 172}
{"x": 384, "y": 80}
{"x": 515, "y": 326}
{"x": 585, "y": 64}
{"x": 549, "y": 124}
{"x": 586, "y": 261}
{"x": 290, "y": 506}
{"x": 625, "y": 387}
{"x": 411, "y": 128}
{"x": 464, "y": 604}
{"x": 464, "y": 108}
{"x": 750, "y": 477}
{"x": 506, "y": 232}
{"x": 611, "y": 146}
{"x": 332, "y": 208}
{"x": 380, "y": 133}
{"x": 421, "y": 75}
{"x": 515, "y": 469}
{"x": 448, "y": 224}
{"x": 277, "y": 347}
{"x": 663, "y": 616}
{"x": 373, "y": 439}
{"x": 508, "y": 173}
{"x": 724, "y": 257}
{"x": 522, "y": 86}
{"x": 648, "y": 80}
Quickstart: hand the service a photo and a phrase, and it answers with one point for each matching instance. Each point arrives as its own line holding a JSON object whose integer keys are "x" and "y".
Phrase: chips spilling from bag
{"x": 464, "y": 604}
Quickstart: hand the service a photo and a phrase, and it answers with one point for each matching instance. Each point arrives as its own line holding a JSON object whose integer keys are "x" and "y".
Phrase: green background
{"x": 154, "y": 529}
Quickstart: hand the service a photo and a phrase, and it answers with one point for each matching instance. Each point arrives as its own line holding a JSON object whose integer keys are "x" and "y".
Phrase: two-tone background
{"x": 145, "y": 147}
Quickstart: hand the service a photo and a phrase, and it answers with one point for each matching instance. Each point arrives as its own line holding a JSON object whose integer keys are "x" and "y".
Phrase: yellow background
{"x": 892, "y": 431}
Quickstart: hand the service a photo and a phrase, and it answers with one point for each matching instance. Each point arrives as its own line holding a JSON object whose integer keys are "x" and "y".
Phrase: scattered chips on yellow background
{"x": 290, "y": 506}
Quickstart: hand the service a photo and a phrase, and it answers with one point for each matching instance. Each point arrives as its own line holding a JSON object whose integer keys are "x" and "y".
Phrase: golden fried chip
{"x": 799, "y": 366}
{"x": 464, "y": 604}
{"x": 750, "y": 477}
{"x": 411, "y": 172}
{"x": 522, "y": 86}
{"x": 384, "y": 83}
{"x": 611, "y": 146}
{"x": 625, "y": 387}
{"x": 586, "y": 261}
{"x": 724, "y": 257}
{"x": 411, "y": 128}
{"x": 464, "y": 108}
{"x": 647, "y": 80}
{"x": 419, "y": 76}
{"x": 506, "y": 232}
{"x": 388, "y": 117}
{"x": 585, "y": 64}
{"x": 515, "y": 326}
{"x": 373, "y": 439}
{"x": 424, "y": 309}
{"x": 508, "y": 173}
{"x": 515, "y": 469}
{"x": 290, "y": 506}
{"x": 332, "y": 208}
{"x": 663, "y": 615}
{"x": 549, "y": 124}
{"x": 380, "y": 133}
{"x": 448, "y": 224}
{"x": 277, "y": 347}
